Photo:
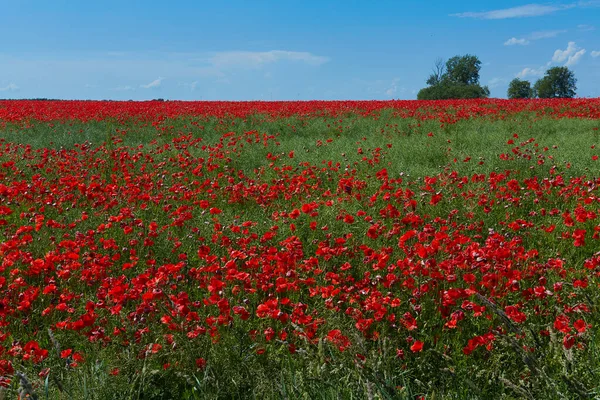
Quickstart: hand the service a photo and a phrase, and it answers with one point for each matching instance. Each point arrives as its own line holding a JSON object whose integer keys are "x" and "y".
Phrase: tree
{"x": 558, "y": 82}
{"x": 519, "y": 89}
{"x": 439, "y": 70}
{"x": 463, "y": 70}
{"x": 457, "y": 79}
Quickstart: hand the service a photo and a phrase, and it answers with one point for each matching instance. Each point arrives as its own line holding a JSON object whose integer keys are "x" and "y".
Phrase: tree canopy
{"x": 458, "y": 78}
{"x": 463, "y": 70}
{"x": 520, "y": 89}
{"x": 447, "y": 92}
{"x": 558, "y": 82}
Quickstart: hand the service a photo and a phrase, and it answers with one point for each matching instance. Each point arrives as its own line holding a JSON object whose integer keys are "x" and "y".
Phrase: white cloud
{"x": 562, "y": 55}
{"x": 11, "y": 87}
{"x": 495, "y": 82}
{"x": 259, "y": 58}
{"x": 574, "y": 59}
{"x": 545, "y": 34}
{"x": 531, "y": 72}
{"x": 533, "y": 36}
{"x": 572, "y": 54}
{"x": 528, "y": 10}
{"x": 586, "y": 28}
{"x": 595, "y": 54}
{"x": 154, "y": 84}
{"x": 513, "y": 41}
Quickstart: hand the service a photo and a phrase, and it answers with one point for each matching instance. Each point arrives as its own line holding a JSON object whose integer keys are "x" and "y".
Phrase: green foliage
{"x": 559, "y": 82}
{"x": 463, "y": 70}
{"x": 458, "y": 79}
{"x": 446, "y": 91}
{"x": 519, "y": 89}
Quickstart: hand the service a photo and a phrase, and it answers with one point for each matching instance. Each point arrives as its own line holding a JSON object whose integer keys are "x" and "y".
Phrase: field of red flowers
{"x": 402, "y": 249}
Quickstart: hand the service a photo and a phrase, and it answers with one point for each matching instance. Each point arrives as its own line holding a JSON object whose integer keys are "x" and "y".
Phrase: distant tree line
{"x": 458, "y": 78}
{"x": 558, "y": 82}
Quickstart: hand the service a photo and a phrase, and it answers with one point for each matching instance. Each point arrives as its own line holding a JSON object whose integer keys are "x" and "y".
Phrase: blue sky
{"x": 284, "y": 50}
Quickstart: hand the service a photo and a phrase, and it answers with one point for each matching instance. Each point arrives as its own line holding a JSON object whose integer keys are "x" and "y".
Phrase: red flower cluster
{"x": 447, "y": 111}
{"x": 172, "y": 242}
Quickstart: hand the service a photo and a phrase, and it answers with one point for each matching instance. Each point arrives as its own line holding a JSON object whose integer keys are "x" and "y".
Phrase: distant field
{"x": 300, "y": 250}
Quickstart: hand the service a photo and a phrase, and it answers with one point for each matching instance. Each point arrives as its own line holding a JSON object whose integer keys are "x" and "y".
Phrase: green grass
{"x": 409, "y": 149}
{"x": 413, "y": 152}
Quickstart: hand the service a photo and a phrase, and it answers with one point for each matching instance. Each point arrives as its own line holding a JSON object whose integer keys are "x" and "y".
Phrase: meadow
{"x": 300, "y": 250}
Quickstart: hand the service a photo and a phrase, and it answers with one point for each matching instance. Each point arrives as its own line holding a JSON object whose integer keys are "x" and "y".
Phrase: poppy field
{"x": 317, "y": 250}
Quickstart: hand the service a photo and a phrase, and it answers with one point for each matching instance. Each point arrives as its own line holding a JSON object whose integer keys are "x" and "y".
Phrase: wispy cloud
{"x": 380, "y": 88}
{"x": 528, "y": 10}
{"x": 595, "y": 54}
{"x": 589, "y": 3}
{"x": 393, "y": 89}
{"x": 527, "y": 72}
{"x": 533, "y": 36}
{"x": 11, "y": 87}
{"x": 255, "y": 59}
{"x": 189, "y": 85}
{"x": 117, "y": 75}
{"x": 123, "y": 88}
{"x": 514, "y": 41}
{"x": 154, "y": 84}
{"x": 495, "y": 82}
{"x": 586, "y": 28}
{"x": 545, "y": 34}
